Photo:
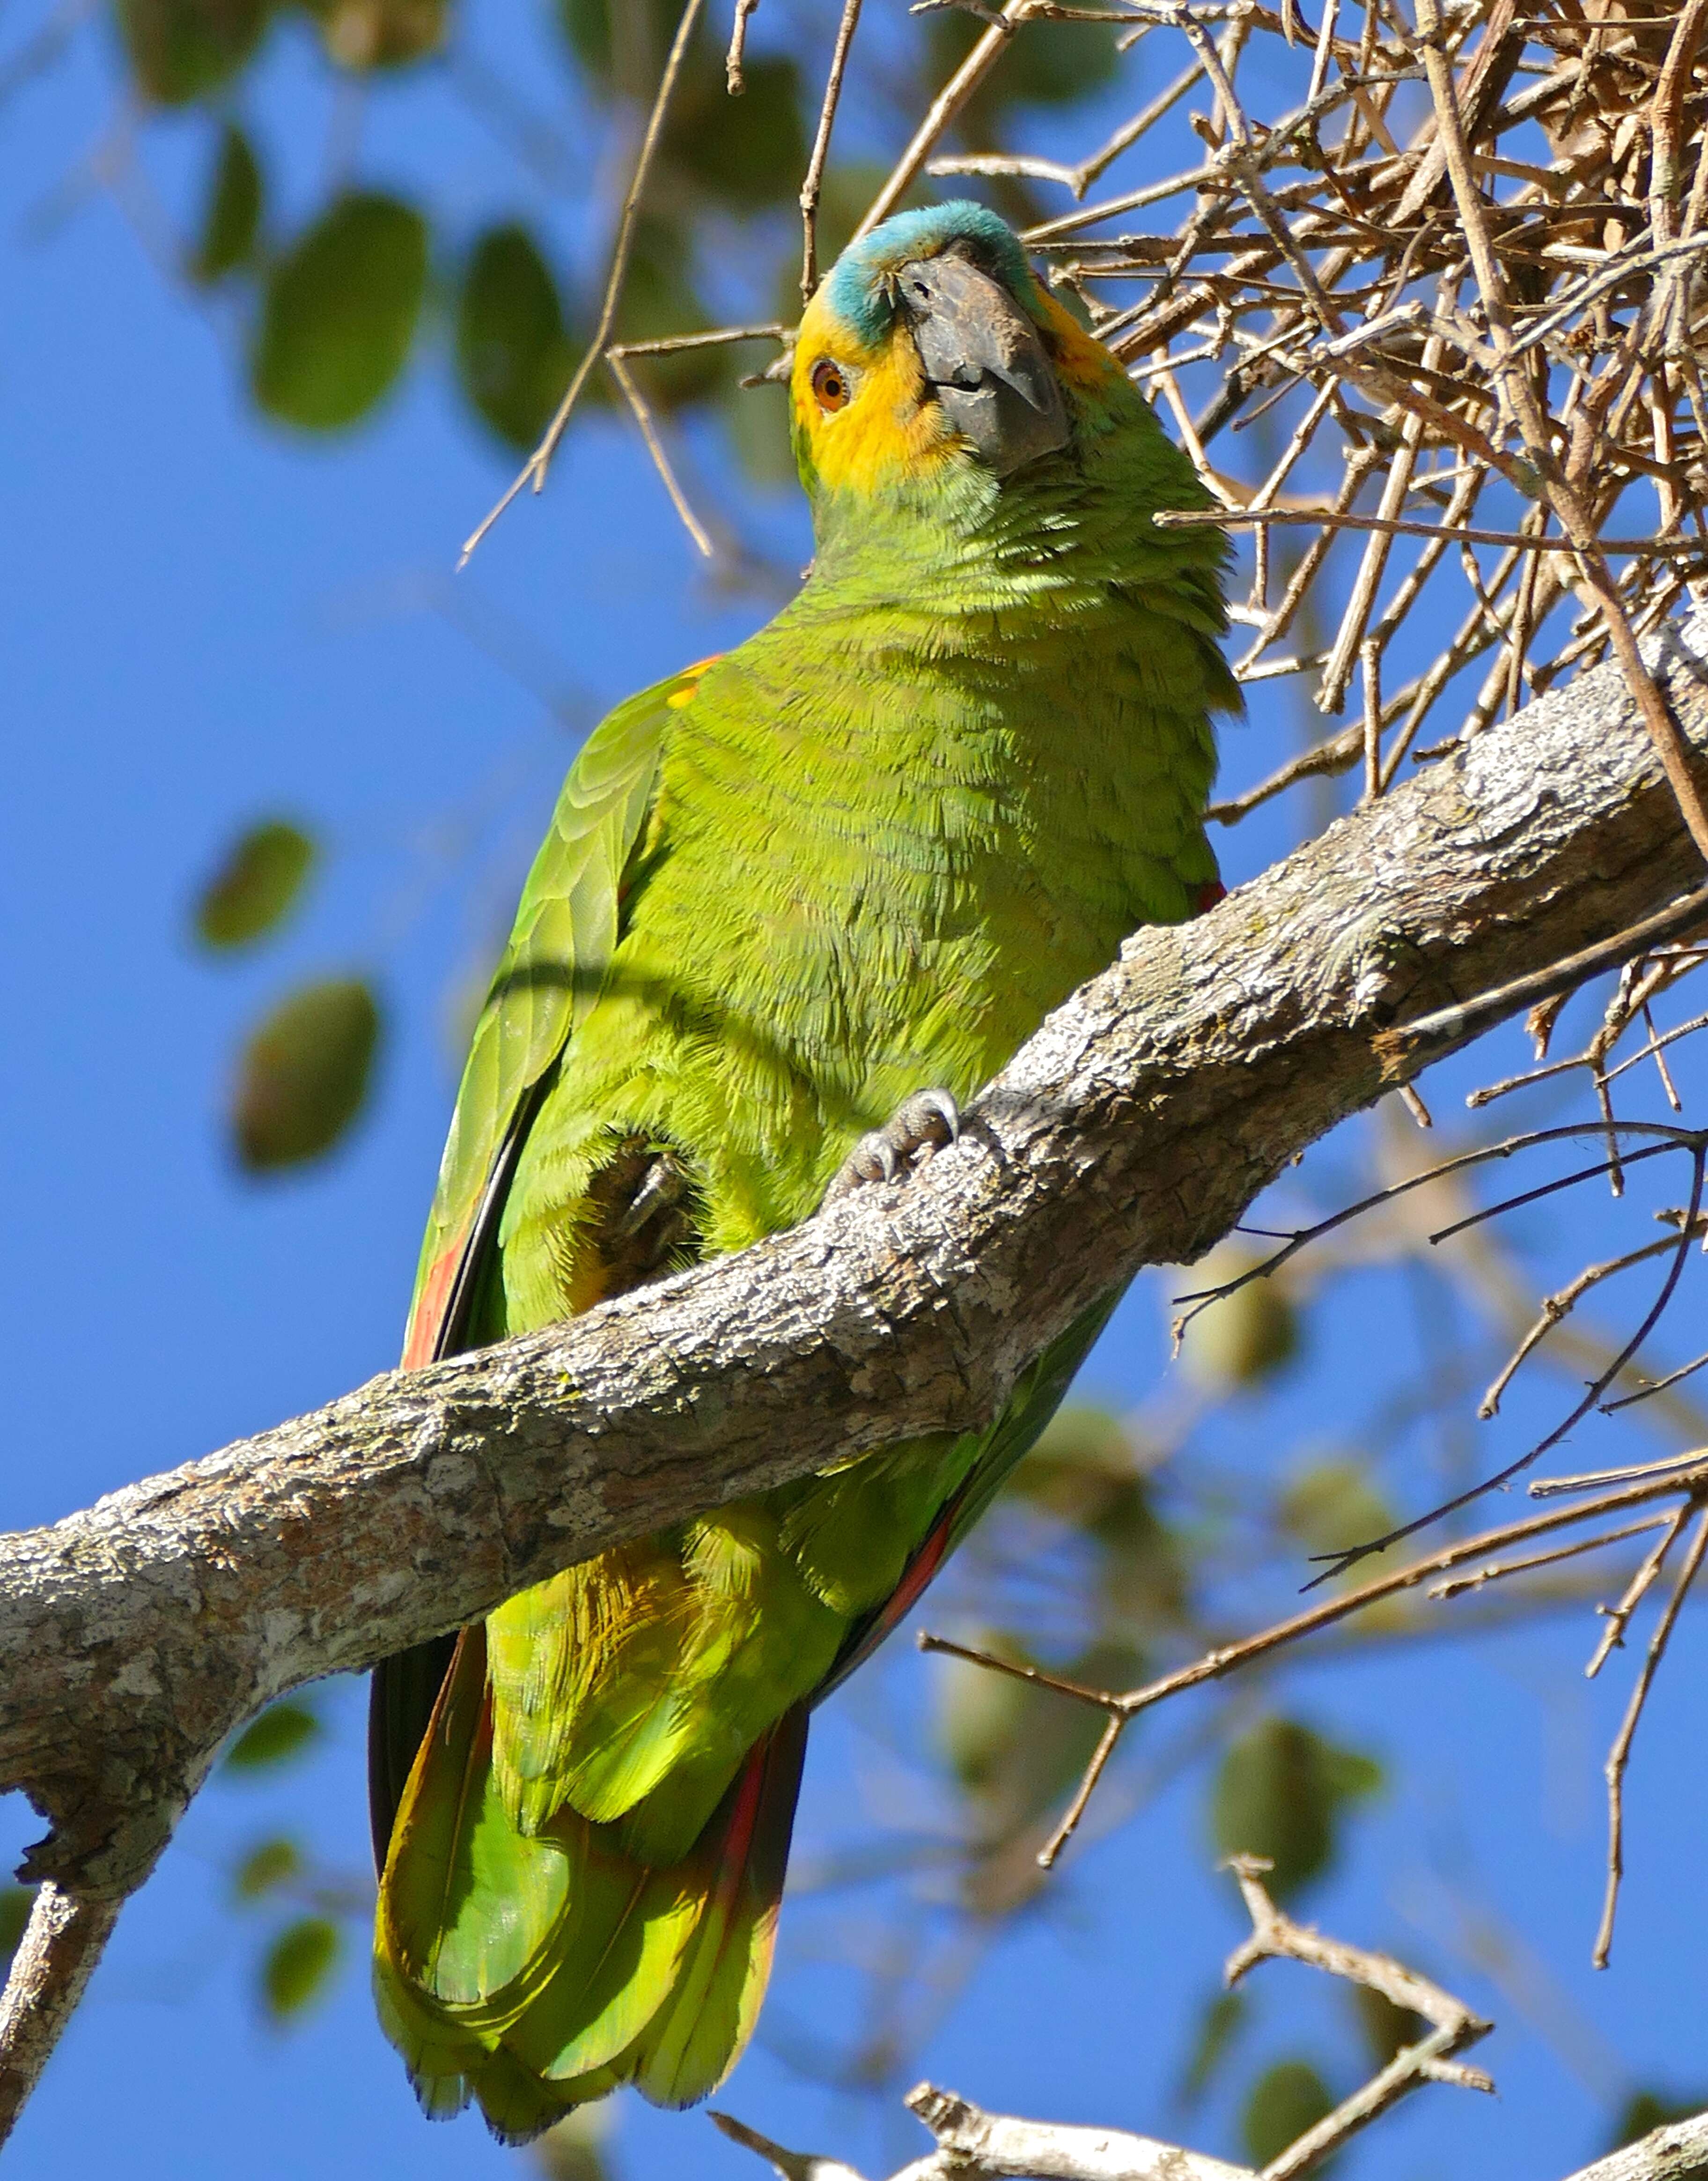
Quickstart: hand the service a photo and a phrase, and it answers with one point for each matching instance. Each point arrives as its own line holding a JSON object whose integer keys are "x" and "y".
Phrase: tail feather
{"x": 533, "y": 1973}
{"x": 693, "y": 2038}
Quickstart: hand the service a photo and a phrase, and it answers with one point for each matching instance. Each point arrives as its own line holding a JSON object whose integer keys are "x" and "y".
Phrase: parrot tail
{"x": 533, "y": 1972}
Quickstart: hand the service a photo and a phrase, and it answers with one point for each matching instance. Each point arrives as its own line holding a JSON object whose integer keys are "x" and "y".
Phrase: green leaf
{"x": 1245, "y": 1338}
{"x": 1387, "y": 2030}
{"x": 1644, "y": 2111}
{"x": 278, "y": 1734}
{"x": 15, "y": 1903}
{"x": 341, "y": 313}
{"x": 1221, "y": 2021}
{"x": 1281, "y": 1792}
{"x": 182, "y": 49}
{"x": 257, "y": 886}
{"x": 1280, "y": 2106}
{"x": 304, "y": 1076}
{"x": 273, "y": 1864}
{"x": 298, "y": 1967}
{"x": 378, "y": 33}
{"x": 514, "y": 353}
{"x": 231, "y": 219}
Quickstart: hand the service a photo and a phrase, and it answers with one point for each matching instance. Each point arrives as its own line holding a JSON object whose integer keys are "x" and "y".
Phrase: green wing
{"x": 559, "y": 950}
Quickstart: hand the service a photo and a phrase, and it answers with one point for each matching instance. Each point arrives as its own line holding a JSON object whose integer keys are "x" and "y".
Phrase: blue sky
{"x": 204, "y": 621}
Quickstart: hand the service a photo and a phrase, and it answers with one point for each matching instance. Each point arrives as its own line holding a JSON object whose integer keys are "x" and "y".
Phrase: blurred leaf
{"x": 1387, "y": 2030}
{"x": 1087, "y": 1470}
{"x": 371, "y": 34}
{"x": 758, "y": 418}
{"x": 341, "y": 313}
{"x": 848, "y": 189}
{"x": 1245, "y": 1338}
{"x": 299, "y": 1965}
{"x": 513, "y": 354}
{"x": 15, "y": 1903}
{"x": 976, "y": 1711}
{"x": 632, "y": 63}
{"x": 1332, "y": 1504}
{"x": 275, "y": 1862}
{"x": 257, "y": 886}
{"x": 1048, "y": 64}
{"x": 1281, "y": 1792}
{"x": 1085, "y": 1463}
{"x": 1221, "y": 2021}
{"x": 231, "y": 219}
{"x": 573, "y": 2149}
{"x": 1014, "y": 1750}
{"x": 278, "y": 1734}
{"x": 745, "y": 152}
{"x": 1282, "y": 2103}
{"x": 182, "y": 49}
{"x": 1644, "y": 2111}
{"x": 659, "y": 300}
{"x": 305, "y": 1074}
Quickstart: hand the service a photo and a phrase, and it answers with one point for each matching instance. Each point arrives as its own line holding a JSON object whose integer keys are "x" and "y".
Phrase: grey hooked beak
{"x": 985, "y": 360}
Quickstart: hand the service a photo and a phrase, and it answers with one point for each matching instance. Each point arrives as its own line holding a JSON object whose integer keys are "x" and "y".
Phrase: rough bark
{"x": 1676, "y": 2153}
{"x": 1133, "y": 1130}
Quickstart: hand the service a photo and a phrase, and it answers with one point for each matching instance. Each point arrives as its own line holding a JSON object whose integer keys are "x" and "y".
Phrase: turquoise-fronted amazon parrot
{"x": 795, "y": 903}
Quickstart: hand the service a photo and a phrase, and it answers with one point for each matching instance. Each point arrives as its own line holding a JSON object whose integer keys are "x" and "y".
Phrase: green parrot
{"x": 795, "y": 903}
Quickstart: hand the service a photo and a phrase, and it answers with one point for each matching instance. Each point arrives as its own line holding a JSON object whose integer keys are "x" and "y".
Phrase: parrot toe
{"x": 918, "y": 1127}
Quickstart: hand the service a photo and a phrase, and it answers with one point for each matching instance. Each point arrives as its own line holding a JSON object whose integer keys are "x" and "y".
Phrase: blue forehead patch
{"x": 855, "y": 290}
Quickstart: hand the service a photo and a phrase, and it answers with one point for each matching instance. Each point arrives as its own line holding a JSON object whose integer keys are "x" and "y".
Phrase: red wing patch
{"x": 428, "y": 1317}
{"x": 1208, "y": 894}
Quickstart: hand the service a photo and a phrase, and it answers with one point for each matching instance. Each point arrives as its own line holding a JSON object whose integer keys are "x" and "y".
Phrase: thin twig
{"x": 1520, "y": 541}
{"x": 1120, "y": 1706}
{"x": 1617, "y": 1617}
{"x": 1471, "y": 1016}
{"x": 1276, "y": 1937}
{"x": 643, "y": 417}
{"x": 737, "y": 54}
{"x": 1554, "y": 1307}
{"x": 533, "y": 471}
{"x": 1620, "y": 1755}
{"x": 942, "y": 111}
{"x": 812, "y": 187}
{"x": 1496, "y": 1570}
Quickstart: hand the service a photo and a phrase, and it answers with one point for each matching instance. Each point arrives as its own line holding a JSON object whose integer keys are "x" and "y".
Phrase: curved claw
{"x": 919, "y": 1127}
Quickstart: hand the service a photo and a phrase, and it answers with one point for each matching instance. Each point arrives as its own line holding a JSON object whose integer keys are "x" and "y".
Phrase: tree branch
{"x": 1676, "y": 2153}
{"x": 1133, "y": 1130}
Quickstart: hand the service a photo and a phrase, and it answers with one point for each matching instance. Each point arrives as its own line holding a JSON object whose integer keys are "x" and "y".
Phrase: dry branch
{"x": 1676, "y": 2153}
{"x": 1133, "y": 1130}
{"x": 975, "y": 2146}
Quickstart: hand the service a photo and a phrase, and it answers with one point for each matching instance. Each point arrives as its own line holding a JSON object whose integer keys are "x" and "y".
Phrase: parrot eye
{"x": 830, "y": 388}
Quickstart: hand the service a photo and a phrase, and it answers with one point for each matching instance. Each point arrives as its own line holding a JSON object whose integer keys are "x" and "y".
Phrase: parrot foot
{"x": 915, "y": 1132}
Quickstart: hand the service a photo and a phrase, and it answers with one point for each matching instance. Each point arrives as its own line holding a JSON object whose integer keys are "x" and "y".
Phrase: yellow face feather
{"x": 888, "y": 428}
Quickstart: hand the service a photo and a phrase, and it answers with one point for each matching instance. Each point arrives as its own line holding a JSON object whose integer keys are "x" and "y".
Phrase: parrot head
{"x": 930, "y": 354}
